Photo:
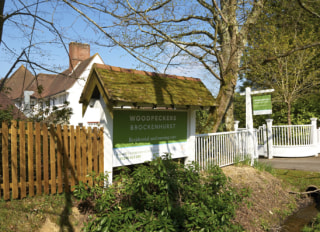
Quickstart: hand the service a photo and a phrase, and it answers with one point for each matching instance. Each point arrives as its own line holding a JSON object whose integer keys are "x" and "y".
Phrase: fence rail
{"x": 294, "y": 135}
{"x": 37, "y": 158}
{"x": 221, "y": 148}
{"x": 289, "y": 140}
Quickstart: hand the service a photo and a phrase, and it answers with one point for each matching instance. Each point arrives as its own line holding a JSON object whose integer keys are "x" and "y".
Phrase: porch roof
{"x": 128, "y": 86}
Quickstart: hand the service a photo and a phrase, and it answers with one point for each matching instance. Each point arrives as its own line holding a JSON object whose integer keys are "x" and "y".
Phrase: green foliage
{"x": 315, "y": 226}
{"x": 164, "y": 196}
{"x": 302, "y": 110}
{"x": 271, "y": 63}
{"x": 263, "y": 166}
{"x": 6, "y": 114}
{"x": 204, "y": 122}
{"x": 240, "y": 109}
{"x": 56, "y": 115}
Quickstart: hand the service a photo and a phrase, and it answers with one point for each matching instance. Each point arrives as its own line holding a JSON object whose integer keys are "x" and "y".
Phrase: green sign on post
{"x": 262, "y": 105}
{"x": 137, "y": 128}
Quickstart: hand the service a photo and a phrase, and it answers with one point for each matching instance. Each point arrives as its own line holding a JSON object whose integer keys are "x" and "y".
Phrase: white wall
{"x": 74, "y": 95}
{"x": 106, "y": 121}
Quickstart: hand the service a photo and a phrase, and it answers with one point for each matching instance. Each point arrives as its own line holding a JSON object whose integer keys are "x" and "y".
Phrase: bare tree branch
{"x": 11, "y": 69}
{"x": 108, "y": 35}
{"x": 1, "y": 19}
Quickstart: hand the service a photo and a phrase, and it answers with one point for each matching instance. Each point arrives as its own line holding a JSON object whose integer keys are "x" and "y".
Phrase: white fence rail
{"x": 222, "y": 148}
{"x": 295, "y": 135}
{"x": 288, "y": 141}
{"x": 227, "y": 148}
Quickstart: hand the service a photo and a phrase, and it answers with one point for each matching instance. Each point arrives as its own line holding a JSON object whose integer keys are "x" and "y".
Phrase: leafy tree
{"x": 282, "y": 27}
{"x": 203, "y": 122}
{"x": 310, "y": 6}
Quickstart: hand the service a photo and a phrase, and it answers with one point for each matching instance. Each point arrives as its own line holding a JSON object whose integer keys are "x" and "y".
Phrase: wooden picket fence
{"x": 39, "y": 159}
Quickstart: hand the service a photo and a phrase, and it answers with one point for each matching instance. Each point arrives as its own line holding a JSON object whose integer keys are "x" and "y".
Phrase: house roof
{"x": 18, "y": 82}
{"x": 49, "y": 84}
{"x": 122, "y": 85}
{"x": 54, "y": 84}
{"x": 6, "y": 104}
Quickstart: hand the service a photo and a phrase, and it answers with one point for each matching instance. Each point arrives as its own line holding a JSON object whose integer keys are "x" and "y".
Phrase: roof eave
{"x": 123, "y": 104}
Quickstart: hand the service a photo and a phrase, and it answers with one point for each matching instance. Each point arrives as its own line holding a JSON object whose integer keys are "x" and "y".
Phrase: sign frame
{"x": 136, "y": 140}
{"x": 262, "y": 104}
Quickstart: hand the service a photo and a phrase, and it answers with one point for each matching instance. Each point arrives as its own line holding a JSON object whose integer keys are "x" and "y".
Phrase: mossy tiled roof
{"x": 140, "y": 87}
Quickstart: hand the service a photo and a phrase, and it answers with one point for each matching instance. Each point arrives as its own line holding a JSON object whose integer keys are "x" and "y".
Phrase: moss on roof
{"x": 132, "y": 86}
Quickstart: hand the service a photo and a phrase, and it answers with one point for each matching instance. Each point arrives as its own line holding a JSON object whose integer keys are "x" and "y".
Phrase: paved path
{"x": 306, "y": 164}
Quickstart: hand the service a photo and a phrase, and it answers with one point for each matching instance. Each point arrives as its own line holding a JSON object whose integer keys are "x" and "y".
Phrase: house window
{"x": 63, "y": 98}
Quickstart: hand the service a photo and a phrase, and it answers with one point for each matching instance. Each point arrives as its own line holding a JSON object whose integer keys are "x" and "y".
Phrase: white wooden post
{"x": 249, "y": 119}
{"x": 236, "y": 142}
{"x": 236, "y": 125}
{"x": 270, "y": 142}
{"x": 265, "y": 140}
{"x": 314, "y": 139}
{"x": 249, "y": 124}
{"x": 191, "y": 136}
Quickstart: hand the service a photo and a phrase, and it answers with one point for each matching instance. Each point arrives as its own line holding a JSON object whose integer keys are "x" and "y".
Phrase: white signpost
{"x": 249, "y": 119}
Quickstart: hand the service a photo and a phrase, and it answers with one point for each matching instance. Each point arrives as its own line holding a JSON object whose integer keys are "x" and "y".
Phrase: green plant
{"x": 314, "y": 226}
{"x": 263, "y": 166}
{"x": 256, "y": 164}
{"x": 164, "y": 195}
{"x": 242, "y": 160}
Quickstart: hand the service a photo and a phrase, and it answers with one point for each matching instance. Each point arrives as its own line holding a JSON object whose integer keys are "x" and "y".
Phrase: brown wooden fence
{"x": 37, "y": 158}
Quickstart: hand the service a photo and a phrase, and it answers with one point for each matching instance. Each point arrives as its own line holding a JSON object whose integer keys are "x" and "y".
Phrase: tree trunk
{"x": 229, "y": 116}
{"x": 1, "y": 18}
{"x": 225, "y": 103}
{"x": 289, "y": 113}
{"x": 229, "y": 60}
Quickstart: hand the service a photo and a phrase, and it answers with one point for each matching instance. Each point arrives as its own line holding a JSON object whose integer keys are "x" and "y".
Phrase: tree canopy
{"x": 284, "y": 26}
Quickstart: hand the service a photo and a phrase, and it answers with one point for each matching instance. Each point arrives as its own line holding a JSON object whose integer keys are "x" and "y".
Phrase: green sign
{"x": 262, "y": 105}
{"x": 137, "y": 128}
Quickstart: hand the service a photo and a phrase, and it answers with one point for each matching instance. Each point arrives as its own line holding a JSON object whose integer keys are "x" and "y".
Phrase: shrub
{"x": 163, "y": 196}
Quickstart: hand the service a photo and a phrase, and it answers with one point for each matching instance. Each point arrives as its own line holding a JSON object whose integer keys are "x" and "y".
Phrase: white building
{"x": 32, "y": 93}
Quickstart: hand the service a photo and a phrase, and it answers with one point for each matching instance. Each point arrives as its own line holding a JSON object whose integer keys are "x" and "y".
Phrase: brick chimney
{"x": 78, "y": 52}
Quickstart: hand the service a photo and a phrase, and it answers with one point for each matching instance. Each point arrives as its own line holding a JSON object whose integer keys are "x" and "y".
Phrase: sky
{"x": 47, "y": 48}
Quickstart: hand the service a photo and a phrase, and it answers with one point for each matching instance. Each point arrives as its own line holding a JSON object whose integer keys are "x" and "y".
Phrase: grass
{"x": 30, "y": 213}
{"x": 257, "y": 165}
{"x": 296, "y": 178}
{"x": 299, "y": 179}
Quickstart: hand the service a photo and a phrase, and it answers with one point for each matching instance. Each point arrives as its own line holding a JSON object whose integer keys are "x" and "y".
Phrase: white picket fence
{"x": 269, "y": 141}
{"x": 223, "y": 148}
{"x": 288, "y": 141}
